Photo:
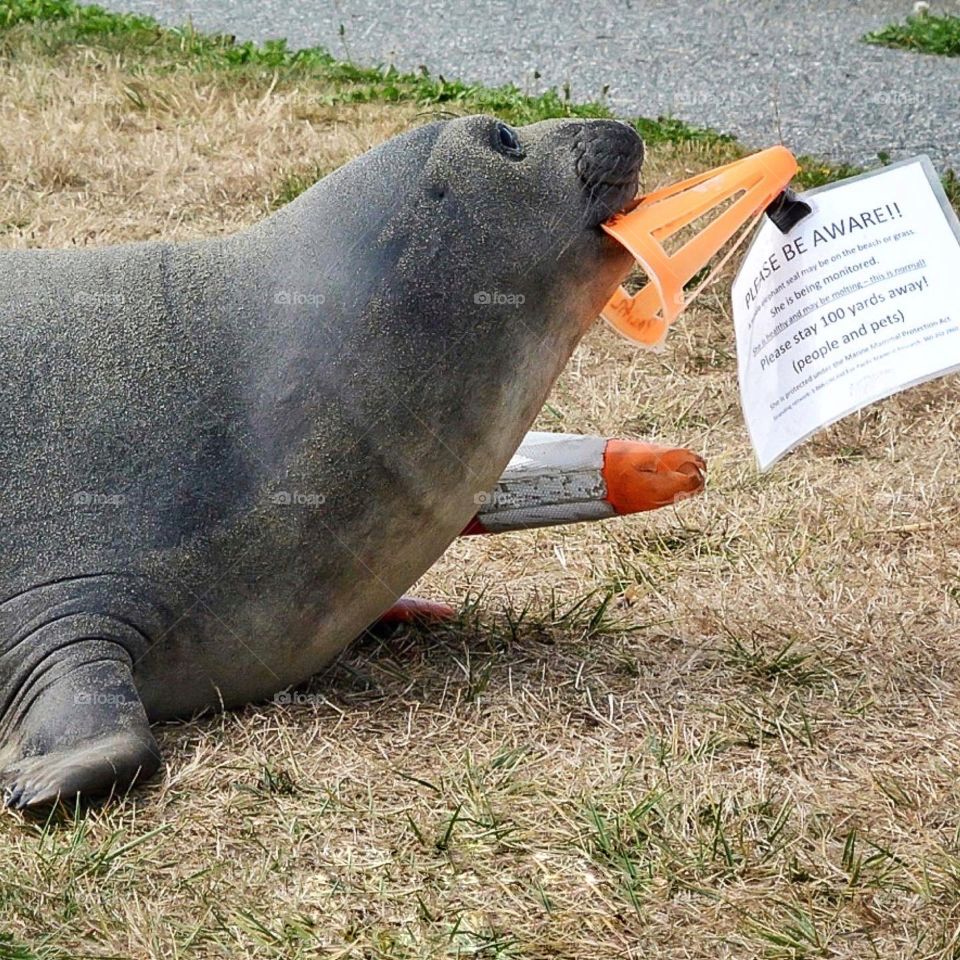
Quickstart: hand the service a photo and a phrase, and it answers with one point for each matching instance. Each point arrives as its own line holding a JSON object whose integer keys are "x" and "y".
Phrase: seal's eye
{"x": 507, "y": 141}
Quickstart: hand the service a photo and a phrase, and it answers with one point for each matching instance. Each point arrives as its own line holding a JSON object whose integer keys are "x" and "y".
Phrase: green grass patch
{"x": 85, "y": 20}
{"x": 671, "y": 130}
{"x": 360, "y": 84}
{"x": 815, "y": 173}
{"x": 925, "y": 33}
{"x": 296, "y": 183}
{"x": 143, "y": 39}
{"x": 67, "y": 23}
{"x": 11, "y": 949}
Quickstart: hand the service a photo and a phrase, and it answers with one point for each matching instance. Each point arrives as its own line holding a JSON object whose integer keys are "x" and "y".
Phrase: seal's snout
{"x": 609, "y": 155}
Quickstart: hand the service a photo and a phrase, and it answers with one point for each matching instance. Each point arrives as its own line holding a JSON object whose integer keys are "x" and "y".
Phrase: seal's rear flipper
{"x": 83, "y": 730}
{"x": 416, "y": 610}
{"x": 410, "y": 611}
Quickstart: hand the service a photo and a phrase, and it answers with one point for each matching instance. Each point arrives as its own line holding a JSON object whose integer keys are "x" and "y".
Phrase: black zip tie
{"x": 787, "y": 210}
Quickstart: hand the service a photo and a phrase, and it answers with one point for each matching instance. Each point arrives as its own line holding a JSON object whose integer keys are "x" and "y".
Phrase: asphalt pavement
{"x": 790, "y": 71}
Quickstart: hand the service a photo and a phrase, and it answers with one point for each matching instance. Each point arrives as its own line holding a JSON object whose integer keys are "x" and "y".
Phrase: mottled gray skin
{"x": 222, "y": 460}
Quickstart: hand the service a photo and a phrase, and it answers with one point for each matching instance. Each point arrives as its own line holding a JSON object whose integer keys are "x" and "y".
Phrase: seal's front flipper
{"x": 88, "y": 768}
{"x": 82, "y": 729}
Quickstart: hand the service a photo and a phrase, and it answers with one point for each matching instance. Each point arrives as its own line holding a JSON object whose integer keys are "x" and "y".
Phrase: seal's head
{"x": 501, "y": 228}
{"x": 527, "y": 204}
{"x": 494, "y": 231}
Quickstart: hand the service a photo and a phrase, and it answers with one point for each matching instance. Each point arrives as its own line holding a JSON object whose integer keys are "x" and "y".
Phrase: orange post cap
{"x": 647, "y": 476}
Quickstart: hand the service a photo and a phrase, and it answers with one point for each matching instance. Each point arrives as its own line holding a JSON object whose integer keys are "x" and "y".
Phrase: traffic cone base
{"x": 736, "y": 193}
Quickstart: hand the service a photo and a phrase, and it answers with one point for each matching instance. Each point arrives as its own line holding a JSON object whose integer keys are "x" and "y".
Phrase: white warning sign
{"x": 860, "y": 300}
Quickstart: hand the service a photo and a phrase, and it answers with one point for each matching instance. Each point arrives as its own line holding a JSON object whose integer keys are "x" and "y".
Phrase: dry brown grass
{"x": 750, "y": 750}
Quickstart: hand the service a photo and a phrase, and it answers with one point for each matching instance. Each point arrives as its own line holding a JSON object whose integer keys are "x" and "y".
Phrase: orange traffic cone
{"x": 744, "y": 188}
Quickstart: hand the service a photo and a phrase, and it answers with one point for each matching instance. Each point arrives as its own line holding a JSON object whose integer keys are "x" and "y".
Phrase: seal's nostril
{"x": 608, "y": 151}
{"x": 609, "y": 155}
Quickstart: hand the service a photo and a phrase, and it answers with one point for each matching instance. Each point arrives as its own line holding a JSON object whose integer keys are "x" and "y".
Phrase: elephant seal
{"x": 222, "y": 459}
